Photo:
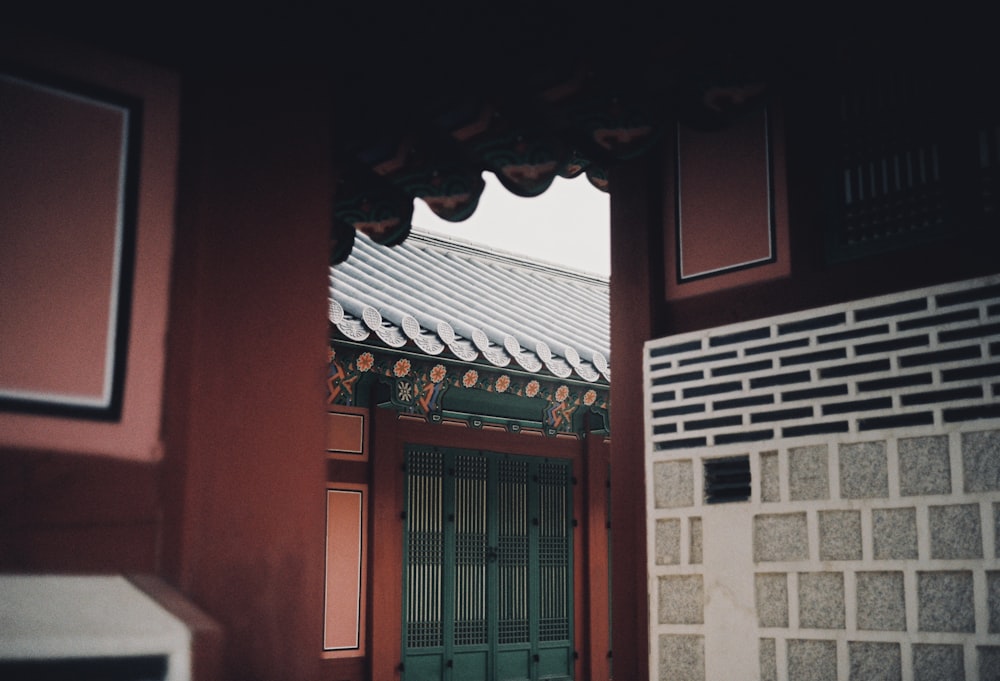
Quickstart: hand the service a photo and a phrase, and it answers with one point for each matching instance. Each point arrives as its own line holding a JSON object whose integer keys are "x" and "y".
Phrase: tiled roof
{"x": 448, "y": 297}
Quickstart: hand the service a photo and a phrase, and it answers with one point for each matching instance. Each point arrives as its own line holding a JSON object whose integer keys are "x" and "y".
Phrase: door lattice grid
{"x": 470, "y": 549}
{"x": 553, "y": 555}
{"x": 425, "y": 552}
{"x": 512, "y": 554}
{"x": 488, "y": 578}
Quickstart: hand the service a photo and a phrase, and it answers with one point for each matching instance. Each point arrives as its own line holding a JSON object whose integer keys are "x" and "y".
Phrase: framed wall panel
{"x": 88, "y": 163}
{"x": 346, "y": 568}
{"x": 730, "y": 226}
{"x": 347, "y": 434}
{"x": 69, "y": 165}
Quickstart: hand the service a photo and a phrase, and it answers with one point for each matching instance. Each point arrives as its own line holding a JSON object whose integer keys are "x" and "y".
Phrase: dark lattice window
{"x": 913, "y": 156}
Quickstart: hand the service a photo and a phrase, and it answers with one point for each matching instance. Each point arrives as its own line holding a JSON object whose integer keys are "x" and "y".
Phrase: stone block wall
{"x": 883, "y": 579}
{"x": 867, "y": 545}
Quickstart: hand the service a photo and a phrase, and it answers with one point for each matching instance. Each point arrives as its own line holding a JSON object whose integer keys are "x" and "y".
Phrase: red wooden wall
{"x": 243, "y": 422}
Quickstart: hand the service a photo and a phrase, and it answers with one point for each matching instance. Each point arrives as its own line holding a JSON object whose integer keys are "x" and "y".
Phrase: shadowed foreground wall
{"x": 246, "y": 359}
{"x": 77, "y": 513}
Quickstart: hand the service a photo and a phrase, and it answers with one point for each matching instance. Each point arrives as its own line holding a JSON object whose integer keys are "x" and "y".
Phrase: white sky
{"x": 569, "y": 224}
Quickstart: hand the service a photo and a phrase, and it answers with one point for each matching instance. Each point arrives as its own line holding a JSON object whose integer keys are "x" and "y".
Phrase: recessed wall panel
{"x": 68, "y": 166}
{"x": 346, "y": 539}
{"x": 88, "y": 169}
{"x": 729, "y": 224}
{"x": 347, "y": 434}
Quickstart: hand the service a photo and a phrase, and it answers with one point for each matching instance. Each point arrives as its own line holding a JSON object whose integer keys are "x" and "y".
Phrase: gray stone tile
{"x": 864, "y": 470}
{"x": 924, "y": 466}
{"x": 694, "y": 554}
{"x": 881, "y": 601}
{"x": 956, "y": 531}
{"x": 996, "y": 530}
{"x": 668, "y": 541}
{"x": 682, "y": 658}
{"x": 770, "y": 480}
{"x": 981, "y": 461}
{"x": 944, "y": 601}
{"x": 938, "y": 662}
{"x": 871, "y": 661}
{"x": 808, "y": 473}
{"x": 682, "y": 599}
{"x": 810, "y": 660}
{"x": 771, "y": 594}
{"x": 821, "y": 600}
{"x": 779, "y": 537}
{"x": 768, "y": 660}
{"x": 993, "y": 598}
{"x": 840, "y": 535}
{"x": 894, "y": 533}
{"x": 673, "y": 484}
{"x": 988, "y": 658}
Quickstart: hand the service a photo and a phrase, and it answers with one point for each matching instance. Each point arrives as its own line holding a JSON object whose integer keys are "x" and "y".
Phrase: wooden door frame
{"x": 390, "y": 434}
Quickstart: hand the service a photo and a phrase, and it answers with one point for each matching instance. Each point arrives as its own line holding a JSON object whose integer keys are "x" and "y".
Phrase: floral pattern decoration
{"x": 401, "y": 368}
{"x": 419, "y": 387}
{"x": 365, "y": 361}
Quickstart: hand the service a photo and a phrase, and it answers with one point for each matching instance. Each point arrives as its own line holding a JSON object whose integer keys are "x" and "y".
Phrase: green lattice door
{"x": 488, "y": 567}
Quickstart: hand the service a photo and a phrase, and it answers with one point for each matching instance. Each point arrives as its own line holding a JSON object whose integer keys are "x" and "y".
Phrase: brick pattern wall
{"x": 862, "y": 552}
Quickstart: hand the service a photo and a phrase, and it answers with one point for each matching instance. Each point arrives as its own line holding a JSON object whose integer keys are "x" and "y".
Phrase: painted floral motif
{"x": 365, "y": 361}
{"x": 401, "y": 368}
{"x": 418, "y": 386}
{"x": 330, "y": 355}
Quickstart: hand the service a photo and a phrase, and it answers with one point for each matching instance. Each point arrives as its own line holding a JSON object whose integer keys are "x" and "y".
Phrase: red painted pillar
{"x": 636, "y": 295}
{"x": 243, "y": 421}
{"x": 598, "y": 599}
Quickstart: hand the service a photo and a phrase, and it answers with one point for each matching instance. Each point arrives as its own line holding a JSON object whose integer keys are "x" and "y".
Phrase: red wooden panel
{"x": 88, "y": 166}
{"x": 346, "y": 539}
{"x": 62, "y": 178}
{"x": 730, "y": 227}
{"x": 347, "y": 433}
{"x": 598, "y": 575}
{"x": 66, "y": 513}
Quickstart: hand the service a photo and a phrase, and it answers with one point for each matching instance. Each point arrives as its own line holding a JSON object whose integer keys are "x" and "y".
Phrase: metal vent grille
{"x": 727, "y": 480}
